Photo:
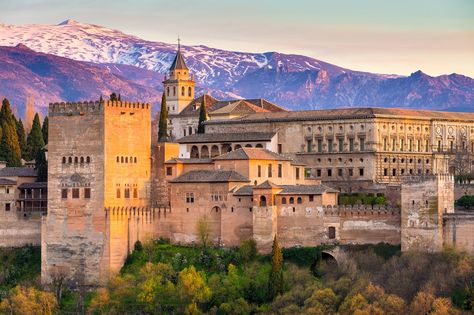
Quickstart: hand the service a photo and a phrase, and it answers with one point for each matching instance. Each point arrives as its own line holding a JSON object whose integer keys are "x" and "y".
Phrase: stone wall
{"x": 458, "y": 230}
{"x": 17, "y": 230}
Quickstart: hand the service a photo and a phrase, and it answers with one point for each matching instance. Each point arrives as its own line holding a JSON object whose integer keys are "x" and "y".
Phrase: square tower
{"x": 99, "y": 157}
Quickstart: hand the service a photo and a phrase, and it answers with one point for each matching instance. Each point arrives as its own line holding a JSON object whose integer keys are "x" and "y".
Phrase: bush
{"x": 248, "y": 250}
{"x": 138, "y": 246}
{"x": 466, "y": 201}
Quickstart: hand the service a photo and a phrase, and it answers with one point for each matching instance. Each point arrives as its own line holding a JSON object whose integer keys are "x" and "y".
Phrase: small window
{"x": 189, "y": 91}
{"x": 135, "y": 193}
{"x": 75, "y": 193}
{"x": 76, "y": 160}
{"x": 135, "y": 159}
{"x": 318, "y": 172}
{"x": 329, "y": 172}
{"x": 190, "y": 197}
{"x": 169, "y": 171}
{"x": 64, "y": 160}
{"x": 292, "y": 200}
{"x": 259, "y": 171}
{"x": 121, "y": 159}
{"x": 7, "y": 207}
{"x": 311, "y": 198}
{"x": 339, "y": 172}
{"x": 64, "y": 193}
{"x": 126, "y": 159}
{"x": 82, "y": 160}
{"x": 280, "y": 170}
{"x": 299, "y": 200}
{"x": 270, "y": 171}
{"x": 361, "y": 172}
{"x": 118, "y": 193}
{"x": 70, "y": 160}
{"x": 118, "y": 159}
{"x": 87, "y": 193}
{"x": 297, "y": 173}
{"x": 182, "y": 91}
{"x": 8, "y": 190}
{"x": 283, "y": 201}
{"x": 331, "y": 232}
{"x": 126, "y": 193}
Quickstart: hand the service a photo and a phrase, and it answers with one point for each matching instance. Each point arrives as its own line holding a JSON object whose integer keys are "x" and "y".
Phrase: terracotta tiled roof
{"x": 252, "y": 154}
{"x": 210, "y": 176}
{"x": 189, "y": 161}
{"x": 33, "y": 185}
{"x": 4, "y": 181}
{"x": 346, "y": 113}
{"x": 305, "y": 189}
{"x": 246, "y": 190}
{"x": 266, "y": 185}
{"x": 227, "y": 137}
{"x": 17, "y": 172}
{"x": 239, "y": 107}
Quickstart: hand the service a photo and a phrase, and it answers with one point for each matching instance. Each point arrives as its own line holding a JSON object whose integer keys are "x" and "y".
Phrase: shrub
{"x": 466, "y": 201}
{"x": 248, "y": 250}
{"x": 138, "y": 246}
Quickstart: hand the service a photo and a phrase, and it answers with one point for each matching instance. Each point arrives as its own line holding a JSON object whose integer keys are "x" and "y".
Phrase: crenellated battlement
{"x": 427, "y": 177}
{"x": 360, "y": 210}
{"x": 93, "y": 107}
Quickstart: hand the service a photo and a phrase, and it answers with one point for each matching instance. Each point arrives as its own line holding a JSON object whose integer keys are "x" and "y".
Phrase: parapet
{"x": 125, "y": 105}
{"x": 427, "y": 177}
{"x": 361, "y": 210}
{"x": 75, "y": 108}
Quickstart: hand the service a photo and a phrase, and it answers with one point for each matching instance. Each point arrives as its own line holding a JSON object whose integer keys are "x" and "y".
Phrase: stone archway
{"x": 204, "y": 152}
{"x": 215, "y": 151}
{"x": 194, "y": 152}
{"x": 259, "y": 145}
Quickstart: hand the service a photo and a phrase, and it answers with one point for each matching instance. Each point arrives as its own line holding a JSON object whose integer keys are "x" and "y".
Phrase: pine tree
{"x": 202, "y": 115}
{"x": 20, "y": 130}
{"x": 35, "y": 138}
{"x": 101, "y": 100}
{"x": 113, "y": 97}
{"x": 163, "y": 124}
{"x": 119, "y": 98}
{"x": 9, "y": 145}
{"x": 41, "y": 166}
{"x": 44, "y": 129}
{"x": 275, "y": 286}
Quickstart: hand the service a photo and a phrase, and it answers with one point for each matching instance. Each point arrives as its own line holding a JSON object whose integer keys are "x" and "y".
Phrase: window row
{"x": 126, "y": 159}
{"x": 341, "y": 145}
{"x": 76, "y": 160}
{"x": 411, "y": 146}
{"x": 76, "y": 193}
{"x": 396, "y": 172}
{"x": 279, "y": 171}
{"x": 330, "y": 128}
{"x": 126, "y": 192}
{"x": 183, "y": 91}
{"x": 402, "y": 160}
{"x": 340, "y": 172}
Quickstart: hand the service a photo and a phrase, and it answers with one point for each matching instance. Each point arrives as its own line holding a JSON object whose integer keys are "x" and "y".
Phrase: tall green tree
{"x": 41, "y": 166}
{"x": 44, "y": 129}
{"x": 35, "y": 138}
{"x": 20, "y": 130}
{"x": 101, "y": 99}
{"x": 202, "y": 115}
{"x": 275, "y": 284}
{"x": 113, "y": 97}
{"x": 10, "y": 150}
{"x": 163, "y": 124}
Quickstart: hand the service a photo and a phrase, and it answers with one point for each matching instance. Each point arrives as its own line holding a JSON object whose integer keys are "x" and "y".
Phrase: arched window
{"x": 174, "y": 90}
{"x": 64, "y": 160}
{"x": 283, "y": 200}
{"x": 131, "y": 160}
{"x": 238, "y": 146}
{"x": 121, "y": 159}
{"x": 182, "y": 91}
{"x": 204, "y": 151}
{"x": 88, "y": 159}
{"x": 82, "y": 160}
{"x": 126, "y": 159}
{"x": 76, "y": 160}
{"x": 70, "y": 160}
{"x": 168, "y": 91}
{"x": 299, "y": 200}
{"x": 194, "y": 152}
{"x": 190, "y": 130}
{"x": 248, "y": 145}
{"x": 263, "y": 201}
{"x": 259, "y": 145}
{"x": 214, "y": 151}
{"x": 189, "y": 91}
{"x": 135, "y": 159}
{"x": 292, "y": 200}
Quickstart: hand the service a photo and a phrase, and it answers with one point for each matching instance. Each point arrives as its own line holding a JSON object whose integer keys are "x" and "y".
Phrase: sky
{"x": 393, "y": 37}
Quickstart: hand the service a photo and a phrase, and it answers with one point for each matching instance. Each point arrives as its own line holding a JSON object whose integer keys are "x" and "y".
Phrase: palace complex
{"x": 257, "y": 171}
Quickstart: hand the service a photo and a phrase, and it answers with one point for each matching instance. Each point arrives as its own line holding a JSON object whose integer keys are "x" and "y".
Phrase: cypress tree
{"x": 275, "y": 286}
{"x": 9, "y": 145}
{"x": 41, "y": 166}
{"x": 163, "y": 124}
{"x": 202, "y": 115}
{"x": 119, "y": 98}
{"x": 20, "y": 130}
{"x": 35, "y": 138}
{"x": 44, "y": 129}
{"x": 101, "y": 100}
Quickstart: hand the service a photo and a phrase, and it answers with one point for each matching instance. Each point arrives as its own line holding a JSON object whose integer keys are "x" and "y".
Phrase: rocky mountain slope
{"x": 293, "y": 81}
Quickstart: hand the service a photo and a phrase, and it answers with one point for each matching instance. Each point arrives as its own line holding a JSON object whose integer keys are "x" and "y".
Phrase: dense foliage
{"x": 362, "y": 199}
{"x": 202, "y": 116}
{"x": 466, "y": 201}
{"x": 163, "y": 124}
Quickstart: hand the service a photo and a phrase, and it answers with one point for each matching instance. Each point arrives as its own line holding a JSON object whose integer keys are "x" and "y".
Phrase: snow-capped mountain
{"x": 293, "y": 81}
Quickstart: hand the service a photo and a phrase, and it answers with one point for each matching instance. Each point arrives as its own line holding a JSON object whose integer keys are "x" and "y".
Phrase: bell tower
{"x": 178, "y": 85}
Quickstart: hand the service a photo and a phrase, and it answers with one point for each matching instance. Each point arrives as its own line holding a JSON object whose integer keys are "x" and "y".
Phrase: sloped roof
{"x": 189, "y": 161}
{"x": 210, "y": 176}
{"x": 266, "y": 185}
{"x": 305, "y": 189}
{"x": 252, "y": 154}
{"x": 178, "y": 62}
{"x": 5, "y": 181}
{"x": 33, "y": 185}
{"x": 227, "y": 137}
{"x": 17, "y": 172}
{"x": 246, "y": 190}
{"x": 240, "y": 107}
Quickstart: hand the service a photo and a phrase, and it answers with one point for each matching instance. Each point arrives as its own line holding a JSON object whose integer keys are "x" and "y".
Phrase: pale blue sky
{"x": 402, "y": 36}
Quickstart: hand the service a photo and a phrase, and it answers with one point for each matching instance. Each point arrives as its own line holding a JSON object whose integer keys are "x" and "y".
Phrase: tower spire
{"x": 179, "y": 43}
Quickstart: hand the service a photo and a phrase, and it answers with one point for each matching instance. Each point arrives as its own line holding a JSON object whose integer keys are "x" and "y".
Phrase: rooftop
{"x": 189, "y": 161}
{"x": 35, "y": 185}
{"x": 178, "y": 62}
{"x": 210, "y": 176}
{"x": 17, "y": 172}
{"x": 227, "y": 137}
{"x": 252, "y": 154}
{"x": 5, "y": 181}
{"x": 247, "y": 190}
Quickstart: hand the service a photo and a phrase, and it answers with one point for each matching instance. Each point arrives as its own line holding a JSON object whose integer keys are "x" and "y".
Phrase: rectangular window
{"x": 339, "y": 172}
{"x": 410, "y": 145}
{"x": 270, "y": 171}
{"x": 126, "y": 193}
{"x": 280, "y": 170}
{"x": 311, "y": 198}
{"x": 297, "y": 170}
{"x": 280, "y": 148}
{"x": 190, "y": 197}
{"x": 87, "y": 193}
{"x": 418, "y": 145}
{"x": 329, "y": 172}
{"x": 135, "y": 193}
{"x": 307, "y": 172}
{"x": 118, "y": 193}
{"x": 330, "y": 145}
{"x": 361, "y": 144}
{"x": 351, "y": 145}
{"x": 451, "y": 145}
{"x": 309, "y": 146}
{"x": 331, "y": 232}
{"x": 427, "y": 146}
{"x": 394, "y": 172}
{"x": 401, "y": 145}
{"x": 351, "y": 172}
{"x": 385, "y": 172}
{"x": 318, "y": 172}
{"x": 320, "y": 145}
{"x": 385, "y": 144}
{"x": 7, "y": 207}
{"x": 341, "y": 144}
{"x": 169, "y": 171}
{"x": 8, "y": 190}
{"x": 361, "y": 172}
{"x": 64, "y": 193}
{"x": 75, "y": 193}
{"x": 259, "y": 170}
{"x": 439, "y": 145}
{"x": 394, "y": 144}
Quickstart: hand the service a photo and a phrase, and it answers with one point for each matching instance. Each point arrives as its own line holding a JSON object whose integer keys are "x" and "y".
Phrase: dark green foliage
{"x": 10, "y": 150}
{"x": 20, "y": 130}
{"x": 275, "y": 281}
{"x": 41, "y": 166}
{"x": 466, "y": 201}
{"x": 202, "y": 116}
{"x": 248, "y": 250}
{"x": 101, "y": 99}
{"x": 44, "y": 129}
{"x": 113, "y": 97}
{"x": 35, "y": 138}
{"x": 138, "y": 246}
{"x": 163, "y": 124}
{"x": 362, "y": 198}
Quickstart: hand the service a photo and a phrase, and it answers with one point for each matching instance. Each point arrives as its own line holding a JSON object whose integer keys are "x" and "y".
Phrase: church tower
{"x": 179, "y": 85}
